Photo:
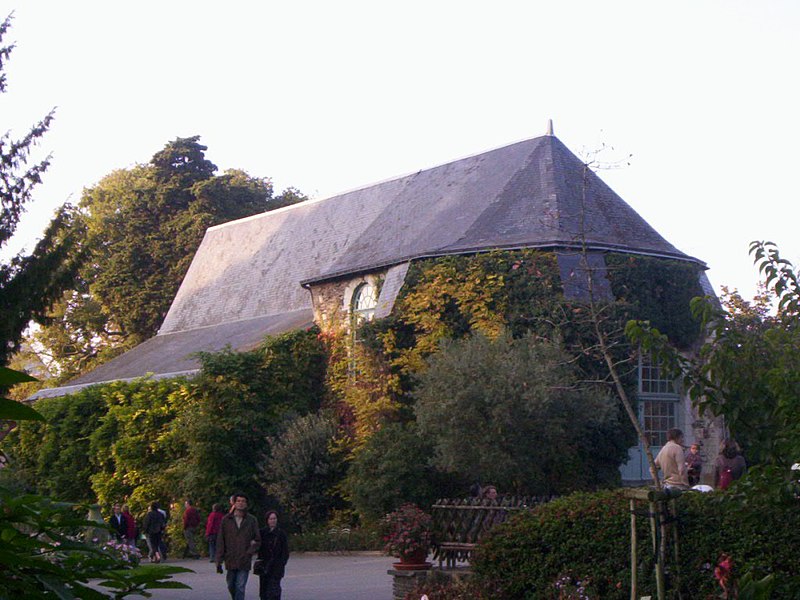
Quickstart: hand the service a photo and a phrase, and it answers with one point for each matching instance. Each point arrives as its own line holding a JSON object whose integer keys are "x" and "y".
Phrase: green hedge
{"x": 336, "y": 539}
{"x": 587, "y": 537}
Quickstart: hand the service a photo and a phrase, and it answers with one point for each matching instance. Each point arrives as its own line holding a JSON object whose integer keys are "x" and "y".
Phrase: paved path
{"x": 309, "y": 576}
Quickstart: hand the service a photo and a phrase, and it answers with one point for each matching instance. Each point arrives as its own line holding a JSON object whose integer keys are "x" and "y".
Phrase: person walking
{"x": 272, "y": 558}
{"x": 118, "y": 523}
{"x": 153, "y": 525}
{"x": 191, "y": 520}
{"x": 130, "y": 523}
{"x": 212, "y": 529}
{"x": 238, "y": 540}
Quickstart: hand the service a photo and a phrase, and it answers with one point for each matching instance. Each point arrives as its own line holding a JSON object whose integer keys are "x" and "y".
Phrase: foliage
{"x": 141, "y": 228}
{"x": 29, "y": 284}
{"x": 440, "y": 585}
{"x": 657, "y": 290}
{"x": 54, "y": 458}
{"x": 407, "y": 530}
{"x": 394, "y": 468}
{"x": 513, "y": 412}
{"x": 450, "y": 297}
{"x": 241, "y": 399}
{"x": 336, "y": 539}
{"x": 518, "y": 292}
{"x": 302, "y": 469}
{"x": 167, "y": 439}
{"x": 360, "y": 381}
{"x": 287, "y": 370}
{"x": 10, "y": 409}
{"x": 749, "y": 369}
{"x": 587, "y": 536}
{"x": 746, "y": 588}
{"x": 43, "y": 555}
{"x": 132, "y": 449}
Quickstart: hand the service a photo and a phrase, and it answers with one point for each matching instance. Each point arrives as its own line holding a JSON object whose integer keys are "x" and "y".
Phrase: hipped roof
{"x": 532, "y": 194}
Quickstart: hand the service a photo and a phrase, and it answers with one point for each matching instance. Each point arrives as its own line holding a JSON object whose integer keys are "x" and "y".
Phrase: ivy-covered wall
{"x": 517, "y": 291}
{"x": 163, "y": 440}
{"x": 659, "y": 291}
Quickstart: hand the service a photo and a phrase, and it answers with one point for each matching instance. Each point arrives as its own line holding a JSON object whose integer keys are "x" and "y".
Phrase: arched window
{"x": 362, "y": 309}
{"x": 363, "y": 304}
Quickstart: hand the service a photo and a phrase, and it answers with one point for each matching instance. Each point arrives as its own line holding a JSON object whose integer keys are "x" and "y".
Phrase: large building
{"x": 319, "y": 260}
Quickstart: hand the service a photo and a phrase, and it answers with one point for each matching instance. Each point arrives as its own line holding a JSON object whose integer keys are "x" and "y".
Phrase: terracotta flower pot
{"x": 413, "y": 561}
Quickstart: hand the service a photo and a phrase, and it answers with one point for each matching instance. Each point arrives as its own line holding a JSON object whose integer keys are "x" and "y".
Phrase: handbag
{"x": 260, "y": 567}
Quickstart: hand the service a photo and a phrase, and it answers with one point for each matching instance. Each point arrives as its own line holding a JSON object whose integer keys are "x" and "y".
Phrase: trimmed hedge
{"x": 586, "y": 536}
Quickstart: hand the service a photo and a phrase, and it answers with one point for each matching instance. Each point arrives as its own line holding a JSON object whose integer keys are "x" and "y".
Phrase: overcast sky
{"x": 328, "y": 96}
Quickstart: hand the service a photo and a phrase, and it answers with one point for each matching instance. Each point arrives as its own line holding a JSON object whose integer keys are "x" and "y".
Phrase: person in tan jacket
{"x": 238, "y": 540}
{"x": 672, "y": 462}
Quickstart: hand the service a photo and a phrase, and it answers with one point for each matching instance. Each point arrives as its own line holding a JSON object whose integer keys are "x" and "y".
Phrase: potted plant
{"x": 407, "y": 535}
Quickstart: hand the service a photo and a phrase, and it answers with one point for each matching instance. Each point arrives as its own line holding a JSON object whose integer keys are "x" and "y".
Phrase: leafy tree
{"x": 749, "y": 369}
{"x": 394, "y": 467}
{"x": 303, "y": 469}
{"x": 141, "y": 228}
{"x": 29, "y": 283}
{"x": 512, "y": 412}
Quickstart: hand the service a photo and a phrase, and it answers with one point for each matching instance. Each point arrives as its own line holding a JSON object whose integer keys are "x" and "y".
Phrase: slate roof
{"x": 172, "y": 354}
{"x": 535, "y": 193}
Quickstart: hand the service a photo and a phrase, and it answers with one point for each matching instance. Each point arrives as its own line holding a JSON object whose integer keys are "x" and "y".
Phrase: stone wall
{"x": 331, "y": 300}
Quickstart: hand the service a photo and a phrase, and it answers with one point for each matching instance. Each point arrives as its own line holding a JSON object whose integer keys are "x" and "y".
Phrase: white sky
{"x": 327, "y": 96}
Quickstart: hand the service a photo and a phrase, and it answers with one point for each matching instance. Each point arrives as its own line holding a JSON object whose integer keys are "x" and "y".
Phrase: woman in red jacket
{"x": 212, "y": 529}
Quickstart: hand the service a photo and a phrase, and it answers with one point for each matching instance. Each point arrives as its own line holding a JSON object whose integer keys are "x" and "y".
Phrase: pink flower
{"x": 723, "y": 571}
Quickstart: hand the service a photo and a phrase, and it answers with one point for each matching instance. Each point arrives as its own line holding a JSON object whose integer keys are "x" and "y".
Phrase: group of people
{"x": 683, "y": 469}
{"x": 234, "y": 539}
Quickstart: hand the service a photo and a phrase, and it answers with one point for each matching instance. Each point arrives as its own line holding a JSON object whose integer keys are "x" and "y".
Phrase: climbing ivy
{"x": 516, "y": 291}
{"x": 659, "y": 291}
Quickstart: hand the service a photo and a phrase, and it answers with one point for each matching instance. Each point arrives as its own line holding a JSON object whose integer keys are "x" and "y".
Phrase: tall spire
{"x": 549, "y": 127}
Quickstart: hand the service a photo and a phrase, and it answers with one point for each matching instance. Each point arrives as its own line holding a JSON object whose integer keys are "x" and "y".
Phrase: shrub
{"x": 442, "y": 586}
{"x": 515, "y": 412}
{"x": 586, "y": 537}
{"x": 393, "y": 467}
{"x": 302, "y": 470}
{"x": 336, "y": 539}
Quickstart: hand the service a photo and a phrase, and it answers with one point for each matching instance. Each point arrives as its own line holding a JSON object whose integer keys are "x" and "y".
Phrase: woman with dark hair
{"x": 153, "y": 526}
{"x": 272, "y": 556}
{"x": 729, "y": 466}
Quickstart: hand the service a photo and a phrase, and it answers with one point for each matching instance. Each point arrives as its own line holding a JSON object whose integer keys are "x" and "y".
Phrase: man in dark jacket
{"x": 191, "y": 520}
{"x": 238, "y": 540}
{"x": 118, "y": 524}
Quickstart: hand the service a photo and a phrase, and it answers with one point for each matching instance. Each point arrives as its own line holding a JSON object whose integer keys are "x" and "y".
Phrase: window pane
{"x": 658, "y": 417}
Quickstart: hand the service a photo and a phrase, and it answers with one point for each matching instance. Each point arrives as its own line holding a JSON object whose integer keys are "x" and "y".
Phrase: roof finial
{"x": 549, "y": 127}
